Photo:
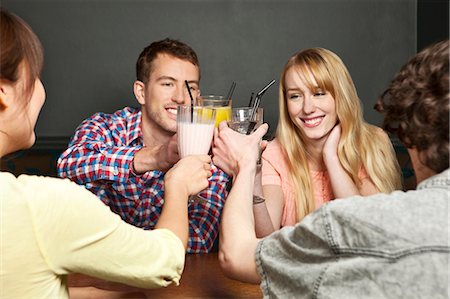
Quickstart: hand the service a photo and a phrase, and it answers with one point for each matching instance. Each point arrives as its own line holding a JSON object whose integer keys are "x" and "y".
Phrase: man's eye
{"x": 167, "y": 84}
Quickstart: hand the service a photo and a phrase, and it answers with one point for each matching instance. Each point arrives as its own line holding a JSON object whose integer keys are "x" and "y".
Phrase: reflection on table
{"x": 202, "y": 278}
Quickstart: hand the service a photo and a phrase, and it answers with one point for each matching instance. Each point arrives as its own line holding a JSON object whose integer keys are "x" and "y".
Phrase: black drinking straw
{"x": 256, "y": 105}
{"x": 262, "y": 91}
{"x": 230, "y": 92}
{"x": 251, "y": 99}
{"x": 192, "y": 100}
{"x": 258, "y": 98}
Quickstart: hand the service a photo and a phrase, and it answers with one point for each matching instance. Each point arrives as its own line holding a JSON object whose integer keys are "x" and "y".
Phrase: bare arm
{"x": 263, "y": 222}
{"x": 237, "y": 234}
{"x": 273, "y": 206}
{"x": 267, "y": 213}
{"x": 237, "y": 231}
{"x": 187, "y": 177}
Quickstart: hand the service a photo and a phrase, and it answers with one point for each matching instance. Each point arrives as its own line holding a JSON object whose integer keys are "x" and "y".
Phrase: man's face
{"x": 166, "y": 89}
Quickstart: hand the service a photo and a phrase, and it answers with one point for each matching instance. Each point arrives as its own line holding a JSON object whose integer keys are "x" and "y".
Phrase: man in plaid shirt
{"x": 123, "y": 157}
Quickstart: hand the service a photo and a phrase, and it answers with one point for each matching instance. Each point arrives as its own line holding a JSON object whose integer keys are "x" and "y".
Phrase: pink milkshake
{"x": 194, "y": 130}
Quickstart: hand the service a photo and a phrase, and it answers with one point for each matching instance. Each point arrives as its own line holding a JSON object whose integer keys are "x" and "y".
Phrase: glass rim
{"x": 212, "y": 97}
{"x": 245, "y": 108}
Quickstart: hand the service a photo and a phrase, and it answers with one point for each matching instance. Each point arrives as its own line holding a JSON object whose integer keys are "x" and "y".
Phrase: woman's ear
{"x": 2, "y": 105}
{"x": 139, "y": 91}
{"x": 3, "y": 95}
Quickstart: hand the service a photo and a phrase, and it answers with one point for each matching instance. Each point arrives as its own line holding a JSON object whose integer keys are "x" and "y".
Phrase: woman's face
{"x": 21, "y": 114}
{"x": 34, "y": 107}
{"x": 312, "y": 111}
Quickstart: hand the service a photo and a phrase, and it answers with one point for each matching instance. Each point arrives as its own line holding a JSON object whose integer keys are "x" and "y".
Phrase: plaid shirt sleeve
{"x": 204, "y": 215}
{"x": 100, "y": 158}
{"x": 95, "y": 154}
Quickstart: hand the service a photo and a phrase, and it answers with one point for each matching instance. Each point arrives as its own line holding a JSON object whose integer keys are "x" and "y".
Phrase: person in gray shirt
{"x": 382, "y": 246}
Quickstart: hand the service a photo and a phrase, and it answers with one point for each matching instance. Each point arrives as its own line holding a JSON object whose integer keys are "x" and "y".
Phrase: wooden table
{"x": 202, "y": 278}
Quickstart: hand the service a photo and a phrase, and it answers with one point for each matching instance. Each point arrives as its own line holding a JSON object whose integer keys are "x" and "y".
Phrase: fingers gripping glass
{"x": 245, "y": 121}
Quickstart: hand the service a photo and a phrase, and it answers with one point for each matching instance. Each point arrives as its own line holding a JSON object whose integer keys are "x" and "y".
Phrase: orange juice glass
{"x": 221, "y": 104}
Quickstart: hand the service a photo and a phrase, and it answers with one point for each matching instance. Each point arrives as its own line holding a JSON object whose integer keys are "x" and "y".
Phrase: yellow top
{"x": 51, "y": 227}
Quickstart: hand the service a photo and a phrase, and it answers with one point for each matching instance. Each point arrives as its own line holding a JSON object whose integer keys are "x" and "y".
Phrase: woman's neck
{"x": 3, "y": 144}
{"x": 315, "y": 156}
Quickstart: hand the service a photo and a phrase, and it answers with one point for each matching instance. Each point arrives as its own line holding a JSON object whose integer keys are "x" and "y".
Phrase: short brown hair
{"x": 20, "y": 45}
{"x": 416, "y": 105}
{"x": 168, "y": 46}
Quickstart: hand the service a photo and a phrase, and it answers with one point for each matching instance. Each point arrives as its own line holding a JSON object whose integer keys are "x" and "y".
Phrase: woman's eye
{"x": 294, "y": 97}
{"x": 319, "y": 93}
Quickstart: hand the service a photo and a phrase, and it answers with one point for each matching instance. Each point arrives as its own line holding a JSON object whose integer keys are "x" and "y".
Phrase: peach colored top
{"x": 275, "y": 171}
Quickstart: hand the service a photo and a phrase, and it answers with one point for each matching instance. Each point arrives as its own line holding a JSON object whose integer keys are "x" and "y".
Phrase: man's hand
{"x": 161, "y": 157}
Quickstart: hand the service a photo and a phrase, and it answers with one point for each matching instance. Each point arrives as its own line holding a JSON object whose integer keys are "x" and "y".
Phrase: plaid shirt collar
{"x": 134, "y": 131}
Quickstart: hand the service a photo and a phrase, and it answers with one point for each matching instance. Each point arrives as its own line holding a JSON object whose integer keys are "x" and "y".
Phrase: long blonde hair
{"x": 360, "y": 144}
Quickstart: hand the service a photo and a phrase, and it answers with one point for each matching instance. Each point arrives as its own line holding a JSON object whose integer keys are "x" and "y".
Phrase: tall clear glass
{"x": 195, "y": 129}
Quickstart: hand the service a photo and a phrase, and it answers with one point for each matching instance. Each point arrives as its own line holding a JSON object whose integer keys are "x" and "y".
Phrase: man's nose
{"x": 181, "y": 95}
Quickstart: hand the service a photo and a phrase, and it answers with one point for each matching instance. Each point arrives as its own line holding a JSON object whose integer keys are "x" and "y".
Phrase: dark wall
{"x": 432, "y": 22}
{"x": 91, "y": 46}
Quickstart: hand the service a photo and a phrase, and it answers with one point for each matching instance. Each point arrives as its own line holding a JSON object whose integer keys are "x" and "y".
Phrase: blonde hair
{"x": 360, "y": 145}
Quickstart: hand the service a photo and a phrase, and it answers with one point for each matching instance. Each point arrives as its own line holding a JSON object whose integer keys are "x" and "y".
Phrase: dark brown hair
{"x": 20, "y": 47}
{"x": 416, "y": 105}
{"x": 168, "y": 46}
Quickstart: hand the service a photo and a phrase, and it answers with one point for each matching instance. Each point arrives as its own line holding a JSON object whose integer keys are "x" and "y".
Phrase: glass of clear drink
{"x": 221, "y": 104}
{"x": 245, "y": 121}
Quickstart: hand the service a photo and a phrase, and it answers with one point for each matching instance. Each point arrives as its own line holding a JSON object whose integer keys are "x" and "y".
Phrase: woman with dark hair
{"x": 384, "y": 245}
{"x": 51, "y": 227}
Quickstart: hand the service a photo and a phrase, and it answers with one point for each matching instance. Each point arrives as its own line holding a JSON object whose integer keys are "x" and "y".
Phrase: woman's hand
{"x": 190, "y": 174}
{"x": 331, "y": 144}
{"x": 233, "y": 151}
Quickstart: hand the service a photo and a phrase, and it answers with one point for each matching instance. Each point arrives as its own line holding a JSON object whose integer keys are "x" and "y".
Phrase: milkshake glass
{"x": 195, "y": 130}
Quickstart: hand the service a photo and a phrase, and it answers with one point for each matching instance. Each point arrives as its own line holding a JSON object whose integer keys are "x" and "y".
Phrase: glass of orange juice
{"x": 221, "y": 104}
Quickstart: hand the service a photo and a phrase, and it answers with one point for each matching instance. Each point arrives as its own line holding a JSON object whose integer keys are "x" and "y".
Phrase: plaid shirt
{"x": 100, "y": 156}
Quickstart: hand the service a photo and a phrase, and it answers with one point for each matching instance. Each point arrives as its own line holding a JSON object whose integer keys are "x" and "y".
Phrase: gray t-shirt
{"x": 383, "y": 246}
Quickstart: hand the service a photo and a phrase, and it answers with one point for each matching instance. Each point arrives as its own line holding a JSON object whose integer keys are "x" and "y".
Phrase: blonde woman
{"x": 323, "y": 147}
{"x": 384, "y": 245}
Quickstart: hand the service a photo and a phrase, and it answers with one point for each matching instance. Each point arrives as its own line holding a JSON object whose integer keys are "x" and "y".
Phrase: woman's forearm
{"x": 237, "y": 235}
